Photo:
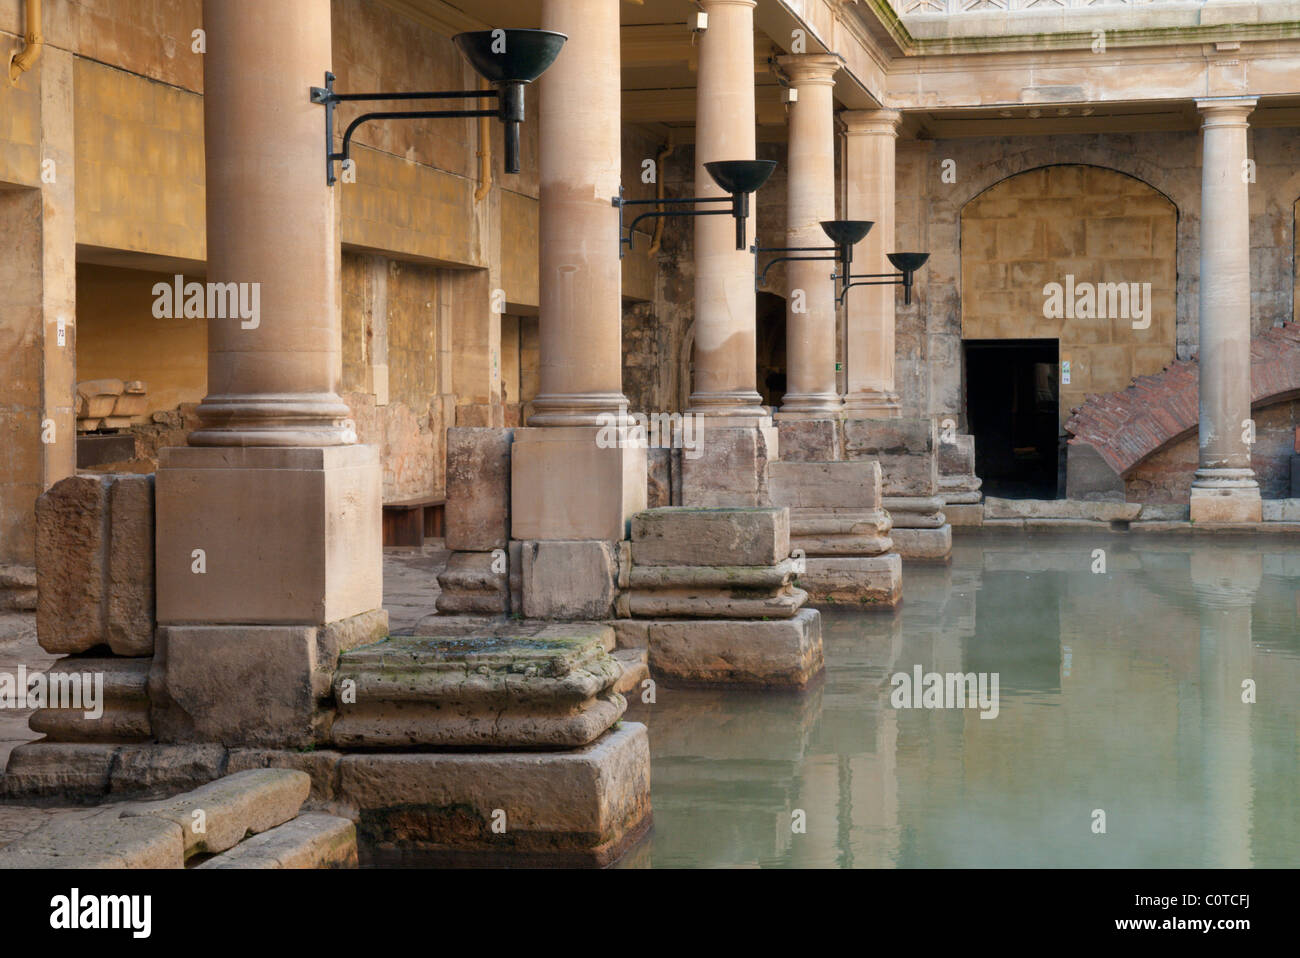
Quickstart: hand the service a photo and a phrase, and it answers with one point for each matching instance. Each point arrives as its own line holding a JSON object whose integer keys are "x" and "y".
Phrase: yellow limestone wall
{"x": 1098, "y": 225}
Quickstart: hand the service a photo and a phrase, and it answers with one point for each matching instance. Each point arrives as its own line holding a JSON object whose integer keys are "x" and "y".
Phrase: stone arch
{"x": 1074, "y": 225}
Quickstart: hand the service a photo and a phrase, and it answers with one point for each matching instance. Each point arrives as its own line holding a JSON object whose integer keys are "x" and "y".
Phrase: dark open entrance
{"x": 1012, "y": 404}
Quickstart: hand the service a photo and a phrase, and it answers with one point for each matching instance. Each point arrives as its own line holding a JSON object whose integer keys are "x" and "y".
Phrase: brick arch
{"x": 1129, "y": 426}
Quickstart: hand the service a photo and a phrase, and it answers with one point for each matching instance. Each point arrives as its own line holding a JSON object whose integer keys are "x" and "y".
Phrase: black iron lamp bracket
{"x": 760, "y": 276}
{"x": 737, "y": 206}
{"x": 330, "y": 100}
{"x": 875, "y": 279}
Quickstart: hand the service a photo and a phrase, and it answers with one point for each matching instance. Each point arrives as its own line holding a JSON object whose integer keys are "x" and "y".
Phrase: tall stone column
{"x": 1225, "y": 489}
{"x": 577, "y": 474}
{"x": 269, "y": 522}
{"x": 811, "y": 391}
{"x": 869, "y": 141}
{"x": 725, "y": 352}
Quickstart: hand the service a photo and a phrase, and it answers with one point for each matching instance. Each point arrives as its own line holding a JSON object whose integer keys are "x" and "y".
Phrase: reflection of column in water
{"x": 1226, "y": 583}
{"x": 848, "y": 781}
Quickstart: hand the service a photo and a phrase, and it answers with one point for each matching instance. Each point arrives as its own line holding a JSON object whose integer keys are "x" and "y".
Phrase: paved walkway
{"x": 410, "y": 590}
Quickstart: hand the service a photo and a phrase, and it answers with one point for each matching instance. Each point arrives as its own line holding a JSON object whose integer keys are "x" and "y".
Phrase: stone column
{"x": 580, "y": 278}
{"x": 1225, "y": 489}
{"x": 725, "y": 352}
{"x": 268, "y": 524}
{"x": 869, "y": 140}
{"x": 811, "y": 391}
{"x": 577, "y": 475}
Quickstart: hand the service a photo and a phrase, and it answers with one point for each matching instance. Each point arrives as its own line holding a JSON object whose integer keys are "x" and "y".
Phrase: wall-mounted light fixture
{"x": 738, "y": 177}
{"x": 843, "y": 233}
{"x": 508, "y": 59}
{"x": 906, "y": 263}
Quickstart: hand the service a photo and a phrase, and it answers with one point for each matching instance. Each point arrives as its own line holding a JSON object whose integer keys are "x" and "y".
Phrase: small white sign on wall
{"x": 1065, "y": 372}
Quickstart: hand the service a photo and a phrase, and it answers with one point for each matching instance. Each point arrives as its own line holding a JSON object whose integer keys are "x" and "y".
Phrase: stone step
{"x": 314, "y": 840}
{"x": 217, "y": 816}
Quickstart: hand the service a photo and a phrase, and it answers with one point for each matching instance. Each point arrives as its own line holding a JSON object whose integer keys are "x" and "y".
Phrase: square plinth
{"x": 268, "y": 535}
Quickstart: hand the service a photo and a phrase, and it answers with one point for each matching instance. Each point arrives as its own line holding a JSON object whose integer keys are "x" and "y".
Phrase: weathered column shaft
{"x": 580, "y": 274}
{"x": 273, "y": 369}
{"x": 869, "y": 142}
{"x": 1225, "y": 488}
{"x": 811, "y": 390}
{"x": 725, "y": 354}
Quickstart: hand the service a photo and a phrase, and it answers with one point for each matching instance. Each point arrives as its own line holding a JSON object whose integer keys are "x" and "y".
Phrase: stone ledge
{"x": 314, "y": 840}
{"x": 869, "y": 582}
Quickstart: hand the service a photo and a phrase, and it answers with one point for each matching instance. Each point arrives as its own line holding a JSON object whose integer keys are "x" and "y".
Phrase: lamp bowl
{"x": 520, "y": 56}
{"x": 740, "y": 176}
{"x": 846, "y": 232}
{"x": 908, "y": 262}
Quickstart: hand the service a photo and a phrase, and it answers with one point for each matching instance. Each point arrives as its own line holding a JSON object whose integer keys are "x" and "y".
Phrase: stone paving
{"x": 410, "y": 591}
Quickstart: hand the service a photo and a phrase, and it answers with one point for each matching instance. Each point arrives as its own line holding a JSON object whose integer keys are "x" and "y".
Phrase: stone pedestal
{"x": 575, "y": 482}
{"x": 840, "y": 531}
{"x": 959, "y": 487}
{"x": 907, "y": 450}
{"x": 268, "y": 535}
{"x": 710, "y": 594}
{"x": 730, "y": 469}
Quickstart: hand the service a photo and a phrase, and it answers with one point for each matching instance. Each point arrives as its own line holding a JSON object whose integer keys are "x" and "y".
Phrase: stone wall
{"x": 929, "y": 214}
{"x": 1166, "y": 476}
{"x": 1096, "y": 225}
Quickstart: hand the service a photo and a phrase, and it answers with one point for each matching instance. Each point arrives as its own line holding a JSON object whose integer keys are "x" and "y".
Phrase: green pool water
{"x": 1119, "y": 691}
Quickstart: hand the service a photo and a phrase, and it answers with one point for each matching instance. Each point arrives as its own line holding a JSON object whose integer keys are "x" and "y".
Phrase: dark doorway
{"x": 1012, "y": 404}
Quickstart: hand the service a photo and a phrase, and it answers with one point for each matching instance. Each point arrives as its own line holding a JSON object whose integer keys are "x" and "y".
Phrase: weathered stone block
{"x": 871, "y": 582}
{"x": 314, "y": 840}
{"x": 809, "y": 440}
{"x": 1089, "y": 476}
{"x": 905, "y": 448}
{"x": 957, "y": 455}
{"x": 659, "y": 478}
{"x": 523, "y": 686}
{"x": 718, "y": 652}
{"x": 237, "y": 685}
{"x": 131, "y": 565}
{"x": 478, "y": 488}
{"x": 729, "y": 468}
{"x": 72, "y": 558}
{"x": 230, "y": 808}
{"x": 475, "y": 583}
{"x": 711, "y": 537}
{"x": 930, "y": 545}
{"x": 119, "y": 686}
{"x": 578, "y": 806}
{"x": 853, "y": 484}
{"x": 569, "y": 580}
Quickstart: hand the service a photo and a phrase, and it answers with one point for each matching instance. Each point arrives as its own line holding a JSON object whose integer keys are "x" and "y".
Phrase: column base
{"x": 736, "y": 653}
{"x": 733, "y": 410}
{"x": 870, "y": 582}
{"x": 575, "y": 482}
{"x": 1226, "y": 495}
{"x": 729, "y": 469}
{"x": 872, "y": 405}
{"x": 269, "y": 536}
{"x": 810, "y": 406}
{"x": 583, "y": 807}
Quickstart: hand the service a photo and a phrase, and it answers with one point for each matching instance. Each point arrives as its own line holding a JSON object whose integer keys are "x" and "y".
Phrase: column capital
{"x": 877, "y": 122}
{"x": 1226, "y": 110}
{"x": 810, "y": 68}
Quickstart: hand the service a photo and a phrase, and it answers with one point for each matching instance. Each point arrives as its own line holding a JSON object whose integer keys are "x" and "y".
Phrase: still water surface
{"x": 1120, "y": 691}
